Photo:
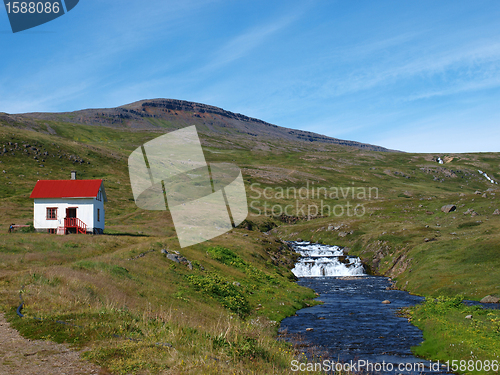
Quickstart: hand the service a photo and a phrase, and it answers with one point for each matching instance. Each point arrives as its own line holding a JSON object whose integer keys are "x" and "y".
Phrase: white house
{"x": 69, "y": 206}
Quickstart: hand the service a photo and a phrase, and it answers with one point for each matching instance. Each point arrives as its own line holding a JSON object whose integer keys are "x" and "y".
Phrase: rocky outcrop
{"x": 177, "y": 258}
{"x": 490, "y": 299}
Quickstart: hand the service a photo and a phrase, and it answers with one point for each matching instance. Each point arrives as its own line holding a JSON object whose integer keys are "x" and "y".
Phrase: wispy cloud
{"x": 244, "y": 44}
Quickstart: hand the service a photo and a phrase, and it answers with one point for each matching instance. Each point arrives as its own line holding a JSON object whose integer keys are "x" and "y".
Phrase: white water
{"x": 324, "y": 260}
{"x": 487, "y": 177}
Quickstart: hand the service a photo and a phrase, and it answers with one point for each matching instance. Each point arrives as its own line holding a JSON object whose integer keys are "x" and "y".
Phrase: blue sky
{"x": 418, "y": 76}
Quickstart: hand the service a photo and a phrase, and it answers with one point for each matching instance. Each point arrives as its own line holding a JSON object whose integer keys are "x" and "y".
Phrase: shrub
{"x": 221, "y": 290}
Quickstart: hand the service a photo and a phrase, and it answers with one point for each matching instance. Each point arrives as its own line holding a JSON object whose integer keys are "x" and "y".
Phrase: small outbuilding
{"x": 69, "y": 206}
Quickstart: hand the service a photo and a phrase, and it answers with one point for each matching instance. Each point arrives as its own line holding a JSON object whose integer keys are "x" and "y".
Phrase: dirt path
{"x": 20, "y": 356}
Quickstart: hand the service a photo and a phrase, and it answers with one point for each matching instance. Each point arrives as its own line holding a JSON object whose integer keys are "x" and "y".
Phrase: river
{"x": 353, "y": 324}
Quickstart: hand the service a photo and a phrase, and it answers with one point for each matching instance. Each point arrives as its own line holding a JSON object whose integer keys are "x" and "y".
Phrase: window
{"x": 99, "y": 196}
{"x": 98, "y": 214}
{"x": 51, "y": 231}
{"x": 51, "y": 213}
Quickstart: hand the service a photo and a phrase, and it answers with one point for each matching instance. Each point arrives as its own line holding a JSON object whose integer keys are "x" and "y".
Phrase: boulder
{"x": 490, "y": 299}
{"x": 477, "y": 192}
{"x": 164, "y": 251}
{"x": 309, "y": 329}
{"x": 448, "y": 208}
{"x": 484, "y": 195}
{"x": 235, "y": 283}
{"x": 386, "y": 302}
{"x": 173, "y": 258}
{"x": 496, "y": 212}
{"x": 462, "y": 194}
{"x": 468, "y": 317}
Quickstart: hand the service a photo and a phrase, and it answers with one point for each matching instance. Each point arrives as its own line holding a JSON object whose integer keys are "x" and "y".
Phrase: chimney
{"x": 73, "y": 175}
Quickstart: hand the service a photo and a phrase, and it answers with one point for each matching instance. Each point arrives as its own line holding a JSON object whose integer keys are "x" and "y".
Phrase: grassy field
{"x": 147, "y": 314}
{"x": 469, "y": 345}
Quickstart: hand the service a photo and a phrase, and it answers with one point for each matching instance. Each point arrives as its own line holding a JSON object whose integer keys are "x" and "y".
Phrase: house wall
{"x": 99, "y": 205}
{"x": 86, "y": 211}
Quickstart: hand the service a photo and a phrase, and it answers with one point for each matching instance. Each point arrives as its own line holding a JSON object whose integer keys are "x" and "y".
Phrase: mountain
{"x": 159, "y": 114}
{"x": 434, "y": 228}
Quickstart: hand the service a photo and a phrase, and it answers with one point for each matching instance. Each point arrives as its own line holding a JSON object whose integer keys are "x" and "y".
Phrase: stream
{"x": 352, "y": 324}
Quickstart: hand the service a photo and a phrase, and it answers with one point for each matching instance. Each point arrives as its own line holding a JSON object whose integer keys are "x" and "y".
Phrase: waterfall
{"x": 323, "y": 260}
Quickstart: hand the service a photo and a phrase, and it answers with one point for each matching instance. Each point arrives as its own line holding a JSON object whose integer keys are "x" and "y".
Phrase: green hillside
{"x": 138, "y": 313}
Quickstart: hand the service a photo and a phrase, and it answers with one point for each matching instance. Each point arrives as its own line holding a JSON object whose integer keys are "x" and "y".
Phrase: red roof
{"x": 66, "y": 189}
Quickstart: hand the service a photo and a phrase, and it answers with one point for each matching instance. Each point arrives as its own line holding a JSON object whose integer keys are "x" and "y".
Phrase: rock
{"x": 321, "y": 318}
{"x": 429, "y": 212}
{"x": 484, "y": 195}
{"x": 386, "y": 302}
{"x": 164, "y": 251}
{"x": 474, "y": 214}
{"x": 309, "y": 329}
{"x": 468, "y": 317}
{"x": 490, "y": 299}
{"x": 190, "y": 265}
{"x": 299, "y": 240}
{"x": 420, "y": 205}
{"x": 496, "y": 212}
{"x": 173, "y": 257}
{"x": 477, "y": 192}
{"x": 462, "y": 194}
{"x": 469, "y": 211}
{"x": 343, "y": 234}
{"x": 429, "y": 239}
{"x": 235, "y": 283}
{"x": 448, "y": 208}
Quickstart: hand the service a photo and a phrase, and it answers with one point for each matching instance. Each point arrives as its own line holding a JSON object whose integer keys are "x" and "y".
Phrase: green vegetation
{"x": 222, "y": 315}
{"x": 470, "y": 342}
{"x": 221, "y": 289}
